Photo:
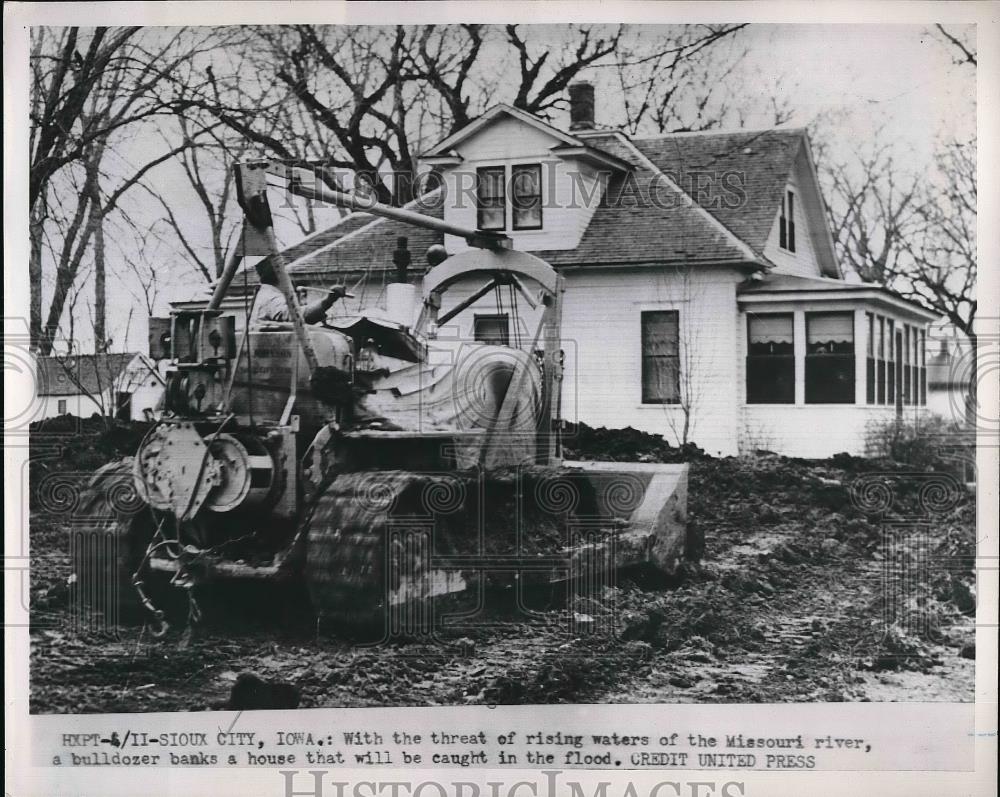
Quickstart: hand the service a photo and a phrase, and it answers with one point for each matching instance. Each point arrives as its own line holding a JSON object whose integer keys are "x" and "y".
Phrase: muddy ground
{"x": 800, "y": 594}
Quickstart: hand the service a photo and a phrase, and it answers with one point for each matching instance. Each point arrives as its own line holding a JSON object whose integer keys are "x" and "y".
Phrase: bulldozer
{"x": 381, "y": 461}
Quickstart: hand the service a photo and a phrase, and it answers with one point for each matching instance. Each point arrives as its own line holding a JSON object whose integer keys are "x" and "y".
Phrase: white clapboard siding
{"x": 570, "y": 190}
{"x": 802, "y": 262}
{"x": 815, "y": 431}
{"x": 601, "y": 331}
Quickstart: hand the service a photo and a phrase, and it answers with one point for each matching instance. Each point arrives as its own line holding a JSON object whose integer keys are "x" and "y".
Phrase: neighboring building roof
{"x": 787, "y": 284}
{"x": 77, "y": 374}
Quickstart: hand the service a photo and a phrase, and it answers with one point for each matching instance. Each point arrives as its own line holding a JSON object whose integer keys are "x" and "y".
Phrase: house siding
{"x": 802, "y": 262}
{"x": 570, "y": 190}
{"x": 815, "y": 431}
{"x": 601, "y": 336}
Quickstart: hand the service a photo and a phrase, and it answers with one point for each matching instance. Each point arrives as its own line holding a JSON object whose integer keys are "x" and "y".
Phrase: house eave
{"x": 448, "y": 161}
{"x": 444, "y": 146}
{"x": 591, "y": 156}
{"x": 847, "y": 293}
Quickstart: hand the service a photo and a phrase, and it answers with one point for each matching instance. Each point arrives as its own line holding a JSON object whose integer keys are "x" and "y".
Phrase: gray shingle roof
{"x": 628, "y": 227}
{"x": 710, "y": 166}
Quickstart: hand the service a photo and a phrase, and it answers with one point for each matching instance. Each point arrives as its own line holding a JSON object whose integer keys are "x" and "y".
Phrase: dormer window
{"x": 786, "y": 222}
{"x": 525, "y": 197}
{"x": 491, "y": 207}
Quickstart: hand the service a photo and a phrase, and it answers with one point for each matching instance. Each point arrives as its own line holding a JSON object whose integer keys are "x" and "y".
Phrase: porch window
{"x": 492, "y": 328}
{"x": 829, "y": 358}
{"x": 491, "y": 206}
{"x": 526, "y": 197}
{"x": 907, "y": 366}
{"x": 870, "y": 361}
{"x": 880, "y": 350}
{"x": 923, "y": 368}
{"x": 786, "y": 222}
{"x": 660, "y": 357}
{"x": 770, "y": 359}
{"x": 890, "y": 361}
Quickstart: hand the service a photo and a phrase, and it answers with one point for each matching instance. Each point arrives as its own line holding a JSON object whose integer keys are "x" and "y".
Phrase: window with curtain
{"x": 491, "y": 328}
{"x": 526, "y": 197}
{"x": 770, "y": 359}
{"x": 660, "y": 357}
{"x": 829, "y": 358}
{"x": 491, "y": 203}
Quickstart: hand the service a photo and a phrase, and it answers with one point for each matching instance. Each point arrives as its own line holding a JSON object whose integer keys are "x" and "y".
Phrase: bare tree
{"x": 82, "y": 103}
{"x": 367, "y": 100}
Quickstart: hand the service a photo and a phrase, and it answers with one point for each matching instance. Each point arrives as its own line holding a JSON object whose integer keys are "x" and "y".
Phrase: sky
{"x": 855, "y": 79}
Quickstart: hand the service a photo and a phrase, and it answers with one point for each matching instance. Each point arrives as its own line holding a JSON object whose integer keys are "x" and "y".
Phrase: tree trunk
{"x": 971, "y": 396}
{"x": 36, "y": 231}
{"x": 96, "y": 222}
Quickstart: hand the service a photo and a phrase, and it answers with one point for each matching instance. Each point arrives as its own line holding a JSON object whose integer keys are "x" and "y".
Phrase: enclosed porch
{"x": 824, "y": 363}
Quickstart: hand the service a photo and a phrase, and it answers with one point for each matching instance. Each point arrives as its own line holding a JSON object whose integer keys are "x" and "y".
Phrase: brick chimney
{"x": 581, "y": 106}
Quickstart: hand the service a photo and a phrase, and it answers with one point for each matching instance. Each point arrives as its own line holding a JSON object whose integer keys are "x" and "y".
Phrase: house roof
{"x": 80, "y": 373}
{"x": 710, "y": 166}
{"x": 788, "y": 285}
{"x": 646, "y": 217}
{"x": 445, "y": 146}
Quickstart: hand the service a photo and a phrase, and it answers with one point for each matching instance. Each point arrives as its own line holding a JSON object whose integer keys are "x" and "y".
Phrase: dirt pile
{"x": 840, "y": 579}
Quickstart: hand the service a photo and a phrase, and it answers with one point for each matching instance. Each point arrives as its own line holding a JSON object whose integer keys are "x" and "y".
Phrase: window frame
{"x": 481, "y": 172}
{"x": 784, "y": 359}
{"x": 504, "y": 317}
{"x": 786, "y": 222}
{"x": 525, "y": 167}
{"x": 61, "y": 406}
{"x": 643, "y": 357}
{"x": 813, "y": 359}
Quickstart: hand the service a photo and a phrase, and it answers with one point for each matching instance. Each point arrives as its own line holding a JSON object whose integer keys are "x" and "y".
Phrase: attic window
{"x": 786, "y": 222}
{"x": 526, "y": 197}
{"x": 491, "y": 209}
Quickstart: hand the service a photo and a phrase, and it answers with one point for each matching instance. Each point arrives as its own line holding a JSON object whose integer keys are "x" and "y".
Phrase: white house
{"x": 703, "y": 297}
{"x": 120, "y": 385}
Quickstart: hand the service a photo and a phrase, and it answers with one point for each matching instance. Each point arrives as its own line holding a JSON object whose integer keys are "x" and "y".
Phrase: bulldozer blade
{"x": 381, "y": 539}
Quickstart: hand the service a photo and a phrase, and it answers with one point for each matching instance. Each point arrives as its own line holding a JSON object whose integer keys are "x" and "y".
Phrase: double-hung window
{"x": 491, "y": 202}
{"x": 770, "y": 359}
{"x": 526, "y": 197}
{"x": 660, "y": 357}
{"x": 522, "y": 192}
{"x": 786, "y": 222}
{"x": 829, "y": 358}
